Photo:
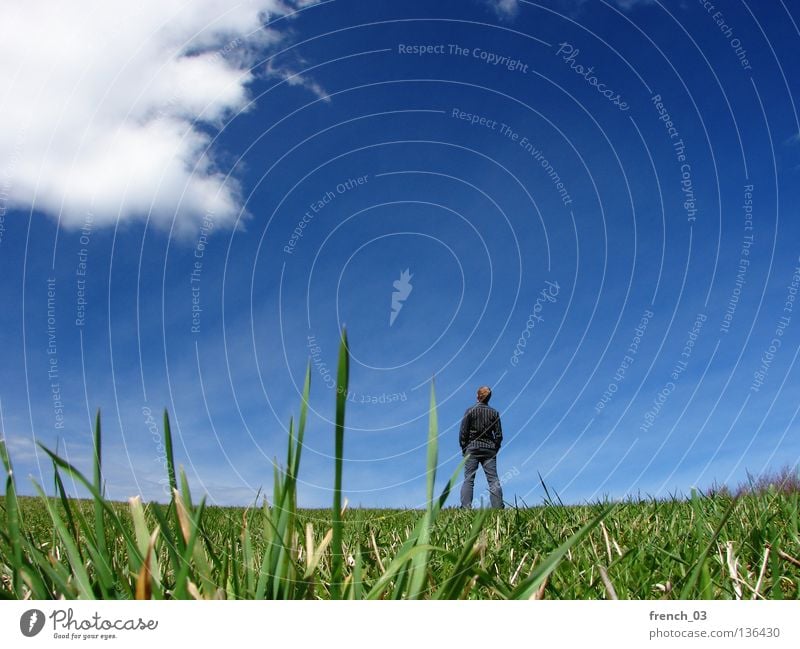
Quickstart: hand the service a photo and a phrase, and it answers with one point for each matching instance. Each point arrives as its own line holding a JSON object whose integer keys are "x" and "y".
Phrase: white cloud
{"x": 293, "y": 78}
{"x": 508, "y": 9}
{"x": 20, "y": 450}
{"x": 504, "y": 8}
{"x": 627, "y": 5}
{"x": 107, "y": 105}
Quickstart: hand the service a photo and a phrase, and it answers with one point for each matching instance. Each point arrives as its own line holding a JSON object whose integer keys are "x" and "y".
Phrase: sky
{"x": 590, "y": 207}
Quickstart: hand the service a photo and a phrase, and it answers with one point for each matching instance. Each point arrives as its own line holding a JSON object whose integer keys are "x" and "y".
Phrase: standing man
{"x": 481, "y": 436}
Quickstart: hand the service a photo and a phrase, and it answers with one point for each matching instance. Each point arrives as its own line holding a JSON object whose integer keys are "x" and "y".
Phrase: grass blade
{"x": 173, "y": 477}
{"x": 99, "y": 521}
{"x": 700, "y": 568}
{"x": 419, "y": 567}
{"x": 342, "y": 382}
{"x": 73, "y": 555}
{"x": 12, "y": 520}
{"x": 531, "y": 584}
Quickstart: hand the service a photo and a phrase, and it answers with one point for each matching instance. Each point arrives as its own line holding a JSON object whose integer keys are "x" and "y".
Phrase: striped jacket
{"x": 480, "y": 428}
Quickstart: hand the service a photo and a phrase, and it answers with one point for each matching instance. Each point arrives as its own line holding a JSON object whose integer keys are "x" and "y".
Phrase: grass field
{"x": 721, "y": 546}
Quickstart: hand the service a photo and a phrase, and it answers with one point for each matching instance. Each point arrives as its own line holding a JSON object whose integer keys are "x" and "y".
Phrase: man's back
{"x": 481, "y": 428}
{"x": 480, "y": 437}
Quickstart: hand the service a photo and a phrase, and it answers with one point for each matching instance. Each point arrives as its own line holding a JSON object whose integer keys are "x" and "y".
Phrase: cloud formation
{"x": 107, "y": 106}
{"x": 292, "y": 78}
{"x": 504, "y": 8}
{"x": 508, "y": 9}
{"x": 627, "y": 5}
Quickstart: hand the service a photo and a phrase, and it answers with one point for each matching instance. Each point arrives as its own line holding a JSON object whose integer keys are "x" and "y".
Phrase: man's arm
{"x": 463, "y": 434}
{"x": 498, "y": 432}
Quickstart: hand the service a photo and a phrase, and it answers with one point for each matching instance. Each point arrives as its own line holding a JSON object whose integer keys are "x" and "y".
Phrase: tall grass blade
{"x": 98, "y": 557}
{"x": 193, "y": 553}
{"x": 173, "y": 477}
{"x": 144, "y": 581}
{"x": 342, "y": 383}
{"x": 64, "y": 500}
{"x": 700, "y": 564}
{"x": 419, "y": 567}
{"x": 99, "y": 521}
{"x": 453, "y": 585}
{"x": 531, "y": 584}
{"x": 82, "y": 580}
{"x": 12, "y": 520}
{"x": 120, "y": 528}
{"x": 145, "y": 541}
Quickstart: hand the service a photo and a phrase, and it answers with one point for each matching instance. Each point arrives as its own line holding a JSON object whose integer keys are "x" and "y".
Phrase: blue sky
{"x": 591, "y": 199}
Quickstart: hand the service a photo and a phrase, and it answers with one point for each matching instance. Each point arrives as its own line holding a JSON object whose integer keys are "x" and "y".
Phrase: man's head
{"x": 484, "y": 394}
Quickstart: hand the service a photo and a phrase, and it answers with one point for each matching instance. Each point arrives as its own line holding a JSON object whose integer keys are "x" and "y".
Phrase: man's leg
{"x": 470, "y": 468}
{"x": 495, "y": 490}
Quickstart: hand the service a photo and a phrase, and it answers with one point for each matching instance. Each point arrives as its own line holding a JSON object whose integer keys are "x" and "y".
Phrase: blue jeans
{"x": 488, "y": 459}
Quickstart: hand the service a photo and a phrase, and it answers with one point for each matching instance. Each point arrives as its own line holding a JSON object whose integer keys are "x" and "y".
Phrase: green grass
{"x": 721, "y": 546}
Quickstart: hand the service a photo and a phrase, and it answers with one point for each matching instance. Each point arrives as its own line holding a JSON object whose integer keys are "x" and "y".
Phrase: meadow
{"x": 718, "y": 545}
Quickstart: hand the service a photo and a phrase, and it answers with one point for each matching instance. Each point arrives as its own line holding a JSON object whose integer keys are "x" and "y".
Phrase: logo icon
{"x": 402, "y": 291}
{"x": 31, "y": 622}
